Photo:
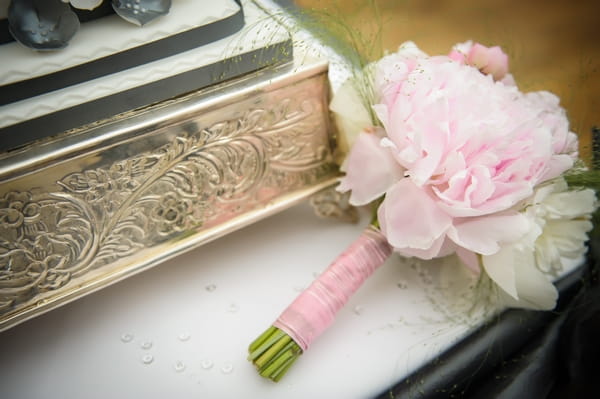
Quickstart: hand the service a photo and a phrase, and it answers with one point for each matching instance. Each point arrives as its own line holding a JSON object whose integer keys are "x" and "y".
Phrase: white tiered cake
{"x": 112, "y": 66}
{"x": 125, "y": 151}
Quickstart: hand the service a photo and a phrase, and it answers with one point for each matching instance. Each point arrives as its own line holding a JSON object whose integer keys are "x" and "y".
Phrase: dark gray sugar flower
{"x": 42, "y": 24}
{"x": 140, "y": 12}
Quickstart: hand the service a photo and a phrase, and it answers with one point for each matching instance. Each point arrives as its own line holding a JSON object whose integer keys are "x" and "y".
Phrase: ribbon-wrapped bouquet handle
{"x": 315, "y": 308}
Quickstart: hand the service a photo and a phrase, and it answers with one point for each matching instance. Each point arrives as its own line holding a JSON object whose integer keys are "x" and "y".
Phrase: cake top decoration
{"x": 46, "y": 25}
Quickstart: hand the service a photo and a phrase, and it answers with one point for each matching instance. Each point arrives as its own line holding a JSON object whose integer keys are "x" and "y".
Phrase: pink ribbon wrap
{"x": 315, "y": 308}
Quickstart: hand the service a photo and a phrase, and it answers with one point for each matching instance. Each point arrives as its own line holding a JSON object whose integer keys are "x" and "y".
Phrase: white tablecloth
{"x": 188, "y": 323}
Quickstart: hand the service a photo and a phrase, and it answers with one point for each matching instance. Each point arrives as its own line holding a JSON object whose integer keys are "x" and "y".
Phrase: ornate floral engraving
{"x": 329, "y": 203}
{"x": 204, "y": 176}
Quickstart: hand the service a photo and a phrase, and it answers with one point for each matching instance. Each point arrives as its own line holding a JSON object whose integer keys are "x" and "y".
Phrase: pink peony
{"x": 457, "y": 153}
{"x": 489, "y": 60}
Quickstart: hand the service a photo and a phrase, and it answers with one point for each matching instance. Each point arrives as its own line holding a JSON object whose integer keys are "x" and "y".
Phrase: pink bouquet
{"x": 457, "y": 161}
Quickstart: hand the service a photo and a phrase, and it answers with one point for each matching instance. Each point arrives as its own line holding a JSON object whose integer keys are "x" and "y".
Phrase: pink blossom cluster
{"x": 458, "y": 149}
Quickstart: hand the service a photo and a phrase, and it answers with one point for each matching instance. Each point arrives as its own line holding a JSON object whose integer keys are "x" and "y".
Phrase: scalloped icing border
{"x": 20, "y": 63}
{"x": 230, "y": 47}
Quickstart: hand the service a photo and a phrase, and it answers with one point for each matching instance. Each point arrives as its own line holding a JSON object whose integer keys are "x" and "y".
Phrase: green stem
{"x": 275, "y": 363}
{"x": 284, "y": 368}
{"x": 374, "y": 207}
{"x": 261, "y": 339}
{"x": 273, "y": 353}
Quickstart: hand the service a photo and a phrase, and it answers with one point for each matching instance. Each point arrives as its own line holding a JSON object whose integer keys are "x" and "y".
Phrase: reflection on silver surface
{"x": 331, "y": 204}
{"x": 110, "y": 200}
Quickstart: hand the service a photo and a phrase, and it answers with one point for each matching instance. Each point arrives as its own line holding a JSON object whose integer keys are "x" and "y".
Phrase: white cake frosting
{"x": 112, "y": 34}
{"x": 108, "y": 35}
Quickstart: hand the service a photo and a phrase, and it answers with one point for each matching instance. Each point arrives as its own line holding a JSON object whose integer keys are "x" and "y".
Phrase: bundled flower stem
{"x": 314, "y": 310}
{"x": 273, "y": 353}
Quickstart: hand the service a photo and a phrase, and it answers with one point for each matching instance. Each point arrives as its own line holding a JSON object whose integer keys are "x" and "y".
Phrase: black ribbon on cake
{"x": 524, "y": 354}
{"x": 130, "y": 58}
{"x": 26, "y": 132}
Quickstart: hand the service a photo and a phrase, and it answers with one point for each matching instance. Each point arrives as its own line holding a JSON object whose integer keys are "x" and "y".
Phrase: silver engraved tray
{"x": 112, "y": 199}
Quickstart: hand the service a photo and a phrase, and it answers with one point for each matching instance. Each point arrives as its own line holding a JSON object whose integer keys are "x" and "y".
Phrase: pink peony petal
{"x": 484, "y": 235}
{"x": 478, "y": 56}
{"x": 370, "y": 170}
{"x": 410, "y": 218}
{"x": 434, "y": 143}
{"x": 557, "y": 165}
{"x": 469, "y": 259}
{"x": 497, "y": 63}
{"x": 491, "y": 61}
{"x": 437, "y": 250}
{"x": 457, "y": 56}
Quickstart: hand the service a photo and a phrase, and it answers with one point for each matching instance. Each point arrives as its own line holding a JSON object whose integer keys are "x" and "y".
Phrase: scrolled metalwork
{"x": 114, "y": 208}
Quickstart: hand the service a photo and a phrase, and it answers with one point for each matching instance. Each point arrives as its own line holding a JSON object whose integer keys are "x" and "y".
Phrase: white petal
{"x": 409, "y": 49}
{"x": 514, "y": 270}
{"x": 350, "y": 114}
{"x": 501, "y": 269}
{"x": 534, "y": 289}
{"x": 571, "y": 204}
{"x": 381, "y": 110}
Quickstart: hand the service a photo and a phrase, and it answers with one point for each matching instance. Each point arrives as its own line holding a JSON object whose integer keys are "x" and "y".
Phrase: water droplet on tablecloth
{"x": 210, "y": 287}
{"x": 147, "y": 359}
{"x": 184, "y": 336}
{"x": 126, "y": 337}
{"x": 179, "y": 366}
{"x": 227, "y": 368}
{"x": 233, "y": 308}
{"x": 146, "y": 345}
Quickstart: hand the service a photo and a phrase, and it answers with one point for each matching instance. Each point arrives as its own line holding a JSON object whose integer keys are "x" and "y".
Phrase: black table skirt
{"x": 523, "y": 353}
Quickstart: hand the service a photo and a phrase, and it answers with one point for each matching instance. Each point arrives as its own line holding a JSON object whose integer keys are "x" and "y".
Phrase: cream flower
{"x": 559, "y": 221}
{"x": 350, "y": 114}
